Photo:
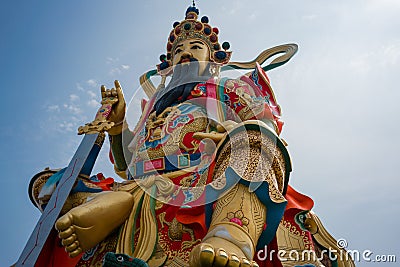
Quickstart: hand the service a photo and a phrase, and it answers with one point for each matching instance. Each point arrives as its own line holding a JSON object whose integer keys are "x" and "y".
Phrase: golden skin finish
{"x": 192, "y": 48}
{"x": 217, "y": 251}
{"x": 86, "y": 225}
{"x": 117, "y": 114}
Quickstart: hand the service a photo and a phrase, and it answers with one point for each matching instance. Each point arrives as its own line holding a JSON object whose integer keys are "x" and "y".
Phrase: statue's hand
{"x": 111, "y": 114}
{"x": 226, "y": 126}
{"x": 117, "y": 114}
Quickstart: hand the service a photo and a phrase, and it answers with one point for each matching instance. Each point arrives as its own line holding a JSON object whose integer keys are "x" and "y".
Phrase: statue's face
{"x": 190, "y": 49}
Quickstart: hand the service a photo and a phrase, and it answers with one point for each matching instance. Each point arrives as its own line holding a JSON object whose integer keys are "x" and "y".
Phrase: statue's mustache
{"x": 184, "y": 79}
{"x": 187, "y": 59}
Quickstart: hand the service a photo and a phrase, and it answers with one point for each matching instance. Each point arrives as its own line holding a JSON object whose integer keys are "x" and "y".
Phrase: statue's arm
{"x": 119, "y": 135}
{"x": 121, "y": 156}
{"x": 251, "y": 98}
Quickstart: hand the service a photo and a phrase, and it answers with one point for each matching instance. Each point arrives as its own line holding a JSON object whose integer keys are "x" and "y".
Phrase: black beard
{"x": 185, "y": 78}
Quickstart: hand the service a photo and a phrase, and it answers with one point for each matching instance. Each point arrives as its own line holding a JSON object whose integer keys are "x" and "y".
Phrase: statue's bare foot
{"x": 84, "y": 226}
{"x": 206, "y": 255}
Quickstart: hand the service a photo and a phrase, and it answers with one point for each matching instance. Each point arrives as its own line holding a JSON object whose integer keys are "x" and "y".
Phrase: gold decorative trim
{"x": 147, "y": 85}
{"x": 322, "y": 236}
{"x": 288, "y": 49}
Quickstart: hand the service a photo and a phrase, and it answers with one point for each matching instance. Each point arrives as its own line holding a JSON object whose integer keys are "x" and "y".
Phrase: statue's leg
{"x": 239, "y": 217}
{"x": 237, "y": 223}
{"x": 84, "y": 226}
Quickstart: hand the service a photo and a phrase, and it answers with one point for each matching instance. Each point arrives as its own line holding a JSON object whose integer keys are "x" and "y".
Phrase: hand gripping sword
{"x": 93, "y": 131}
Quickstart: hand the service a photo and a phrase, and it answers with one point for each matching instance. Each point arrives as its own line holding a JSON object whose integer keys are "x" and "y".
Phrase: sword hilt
{"x": 100, "y": 123}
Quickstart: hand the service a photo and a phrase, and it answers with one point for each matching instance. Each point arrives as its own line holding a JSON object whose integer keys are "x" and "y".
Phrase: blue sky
{"x": 339, "y": 96}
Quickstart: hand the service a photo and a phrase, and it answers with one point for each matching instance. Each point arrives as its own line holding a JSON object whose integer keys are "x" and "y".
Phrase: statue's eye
{"x": 120, "y": 258}
{"x": 177, "y": 51}
{"x": 196, "y": 47}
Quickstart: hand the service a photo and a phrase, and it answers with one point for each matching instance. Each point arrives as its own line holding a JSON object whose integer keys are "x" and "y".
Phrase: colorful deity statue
{"x": 206, "y": 174}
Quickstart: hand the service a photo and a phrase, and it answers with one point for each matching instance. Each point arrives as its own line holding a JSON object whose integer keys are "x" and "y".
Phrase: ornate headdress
{"x": 191, "y": 28}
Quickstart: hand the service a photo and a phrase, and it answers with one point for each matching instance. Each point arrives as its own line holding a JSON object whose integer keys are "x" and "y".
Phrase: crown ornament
{"x": 192, "y": 28}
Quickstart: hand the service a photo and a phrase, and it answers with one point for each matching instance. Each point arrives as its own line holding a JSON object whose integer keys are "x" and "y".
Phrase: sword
{"x": 49, "y": 216}
{"x": 92, "y": 131}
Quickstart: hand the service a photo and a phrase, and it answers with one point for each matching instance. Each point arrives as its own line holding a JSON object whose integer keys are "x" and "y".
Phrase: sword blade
{"x": 46, "y": 222}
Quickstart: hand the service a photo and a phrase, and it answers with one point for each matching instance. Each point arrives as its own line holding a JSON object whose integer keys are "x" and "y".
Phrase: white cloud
{"x": 93, "y": 103}
{"x": 91, "y": 94}
{"x": 111, "y": 60}
{"x": 79, "y": 87}
{"x": 114, "y": 71}
{"x": 92, "y": 83}
{"x": 67, "y": 126}
{"x": 391, "y": 54}
{"x": 73, "y": 97}
{"x": 119, "y": 70}
{"x": 383, "y": 56}
{"x": 253, "y": 16}
{"x": 383, "y": 4}
{"x": 235, "y": 7}
{"x": 362, "y": 63}
{"x": 73, "y": 109}
{"x": 76, "y": 119}
{"x": 309, "y": 17}
{"x": 53, "y": 108}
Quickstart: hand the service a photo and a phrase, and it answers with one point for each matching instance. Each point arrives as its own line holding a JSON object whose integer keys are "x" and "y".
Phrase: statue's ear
{"x": 221, "y": 57}
{"x": 164, "y": 68}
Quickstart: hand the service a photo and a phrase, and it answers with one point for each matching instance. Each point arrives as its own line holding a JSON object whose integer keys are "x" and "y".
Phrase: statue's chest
{"x": 170, "y": 133}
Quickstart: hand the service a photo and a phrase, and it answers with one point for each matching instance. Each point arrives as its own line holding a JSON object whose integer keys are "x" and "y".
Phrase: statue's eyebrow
{"x": 178, "y": 46}
{"x": 196, "y": 42}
